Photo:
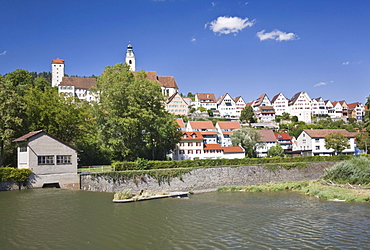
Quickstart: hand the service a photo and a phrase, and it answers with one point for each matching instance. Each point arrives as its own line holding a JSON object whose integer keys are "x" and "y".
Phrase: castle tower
{"x": 57, "y": 71}
{"x": 130, "y": 58}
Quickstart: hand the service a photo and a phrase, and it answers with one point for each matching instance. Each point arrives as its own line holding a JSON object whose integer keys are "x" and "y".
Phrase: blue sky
{"x": 245, "y": 48}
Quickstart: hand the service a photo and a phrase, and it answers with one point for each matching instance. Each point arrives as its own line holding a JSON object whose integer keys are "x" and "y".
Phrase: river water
{"x": 66, "y": 219}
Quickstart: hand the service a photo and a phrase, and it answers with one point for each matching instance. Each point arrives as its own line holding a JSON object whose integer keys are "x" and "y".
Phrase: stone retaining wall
{"x": 208, "y": 178}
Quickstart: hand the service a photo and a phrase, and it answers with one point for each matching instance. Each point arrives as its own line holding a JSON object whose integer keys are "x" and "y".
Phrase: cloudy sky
{"x": 245, "y": 48}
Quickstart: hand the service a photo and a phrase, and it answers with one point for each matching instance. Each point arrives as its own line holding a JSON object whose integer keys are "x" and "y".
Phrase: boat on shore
{"x": 155, "y": 196}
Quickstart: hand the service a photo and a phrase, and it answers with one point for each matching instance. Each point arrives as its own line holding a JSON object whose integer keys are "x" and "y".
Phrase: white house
{"x": 330, "y": 109}
{"x": 280, "y": 104}
{"x": 269, "y": 141}
{"x": 176, "y": 105}
{"x": 356, "y": 111}
{"x": 52, "y": 161}
{"x": 313, "y": 140}
{"x": 225, "y": 129}
{"x": 239, "y": 105}
{"x": 80, "y": 87}
{"x": 190, "y": 146}
{"x": 206, "y": 100}
{"x": 318, "y": 107}
{"x": 262, "y": 100}
{"x": 300, "y": 106}
{"x": 226, "y": 106}
{"x": 206, "y": 128}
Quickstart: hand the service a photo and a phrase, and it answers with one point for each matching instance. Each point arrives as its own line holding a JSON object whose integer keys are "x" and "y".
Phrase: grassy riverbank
{"x": 312, "y": 188}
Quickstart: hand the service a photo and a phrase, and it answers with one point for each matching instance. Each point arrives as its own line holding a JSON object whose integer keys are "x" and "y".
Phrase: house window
{"x": 190, "y": 144}
{"x": 304, "y": 141}
{"x": 64, "y": 159}
{"x": 317, "y": 140}
{"x": 198, "y": 144}
{"x": 181, "y": 152}
{"x": 190, "y": 152}
{"x": 46, "y": 160}
{"x": 317, "y": 147}
{"x": 182, "y": 144}
{"x": 23, "y": 148}
{"x": 198, "y": 151}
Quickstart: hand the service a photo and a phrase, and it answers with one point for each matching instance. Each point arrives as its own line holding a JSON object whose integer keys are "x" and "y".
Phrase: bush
{"x": 354, "y": 171}
{"x": 20, "y": 176}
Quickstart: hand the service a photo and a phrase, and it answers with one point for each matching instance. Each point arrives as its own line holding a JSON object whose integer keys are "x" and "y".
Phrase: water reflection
{"x": 61, "y": 219}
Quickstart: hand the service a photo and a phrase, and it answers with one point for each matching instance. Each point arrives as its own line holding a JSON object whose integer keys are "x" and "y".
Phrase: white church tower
{"x": 130, "y": 58}
{"x": 57, "y": 71}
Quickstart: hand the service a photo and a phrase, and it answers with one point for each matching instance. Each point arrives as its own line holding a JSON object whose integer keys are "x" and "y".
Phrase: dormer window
{"x": 193, "y": 135}
{"x": 185, "y": 136}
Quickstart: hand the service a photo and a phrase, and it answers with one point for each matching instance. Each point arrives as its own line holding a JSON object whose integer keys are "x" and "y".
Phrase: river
{"x": 66, "y": 219}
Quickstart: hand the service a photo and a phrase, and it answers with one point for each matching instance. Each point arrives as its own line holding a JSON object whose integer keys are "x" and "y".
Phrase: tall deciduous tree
{"x": 276, "y": 151}
{"x": 336, "y": 141}
{"x": 247, "y": 138}
{"x": 132, "y": 118}
{"x": 247, "y": 114}
{"x": 12, "y": 109}
{"x": 64, "y": 117}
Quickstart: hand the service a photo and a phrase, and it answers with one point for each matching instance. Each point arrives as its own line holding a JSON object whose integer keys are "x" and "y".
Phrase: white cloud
{"x": 345, "y": 63}
{"x": 245, "y": 3}
{"x": 213, "y": 4}
{"x": 193, "y": 40}
{"x": 276, "y": 35}
{"x": 227, "y": 25}
{"x": 3, "y": 53}
{"x": 322, "y": 84}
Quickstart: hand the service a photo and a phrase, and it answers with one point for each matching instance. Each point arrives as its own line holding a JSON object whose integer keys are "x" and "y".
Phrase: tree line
{"x": 128, "y": 122}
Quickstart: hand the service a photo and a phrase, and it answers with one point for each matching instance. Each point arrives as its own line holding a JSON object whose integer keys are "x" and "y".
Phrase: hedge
{"x": 19, "y": 176}
{"x": 141, "y": 164}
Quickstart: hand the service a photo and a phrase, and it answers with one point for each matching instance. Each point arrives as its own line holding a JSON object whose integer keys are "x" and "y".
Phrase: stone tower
{"x": 57, "y": 71}
{"x": 130, "y": 58}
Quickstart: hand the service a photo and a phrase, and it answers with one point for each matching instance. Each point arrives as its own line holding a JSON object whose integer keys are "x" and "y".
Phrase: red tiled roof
{"x": 180, "y": 122}
{"x": 58, "y": 60}
{"x": 283, "y": 136}
{"x": 235, "y": 149}
{"x": 320, "y": 133}
{"x": 229, "y": 125}
{"x": 79, "y": 82}
{"x": 201, "y": 125}
{"x": 352, "y": 105}
{"x": 189, "y": 136}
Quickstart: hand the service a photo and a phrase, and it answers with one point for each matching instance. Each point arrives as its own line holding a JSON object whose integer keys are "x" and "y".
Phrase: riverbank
{"x": 317, "y": 189}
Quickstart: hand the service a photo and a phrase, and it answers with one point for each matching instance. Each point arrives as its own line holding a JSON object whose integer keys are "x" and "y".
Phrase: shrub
{"x": 353, "y": 171}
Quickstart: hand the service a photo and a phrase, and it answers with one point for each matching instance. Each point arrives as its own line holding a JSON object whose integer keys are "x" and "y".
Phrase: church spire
{"x": 130, "y": 58}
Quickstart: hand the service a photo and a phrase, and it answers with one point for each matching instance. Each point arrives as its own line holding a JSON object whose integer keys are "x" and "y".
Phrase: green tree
{"x": 64, "y": 117}
{"x": 336, "y": 141}
{"x": 12, "y": 107}
{"x": 276, "y": 151}
{"x": 202, "y": 109}
{"x": 247, "y": 115}
{"x": 247, "y": 138}
{"x": 285, "y": 116}
{"x": 363, "y": 141}
{"x": 132, "y": 119}
{"x": 19, "y": 80}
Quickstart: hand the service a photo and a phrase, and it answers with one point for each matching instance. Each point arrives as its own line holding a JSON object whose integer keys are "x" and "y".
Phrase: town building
{"x": 52, "y": 162}
{"x": 300, "y": 106}
{"x": 206, "y": 100}
{"x": 206, "y": 128}
{"x": 239, "y": 105}
{"x": 177, "y": 105}
{"x": 80, "y": 87}
{"x": 130, "y": 58}
{"x": 226, "y": 106}
{"x": 318, "y": 107}
{"x": 313, "y": 141}
{"x": 57, "y": 71}
{"x": 280, "y": 104}
{"x": 225, "y": 129}
{"x": 285, "y": 141}
{"x": 356, "y": 111}
{"x": 268, "y": 141}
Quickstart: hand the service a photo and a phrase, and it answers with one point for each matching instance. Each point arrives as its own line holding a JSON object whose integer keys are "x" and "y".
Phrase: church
{"x": 81, "y": 87}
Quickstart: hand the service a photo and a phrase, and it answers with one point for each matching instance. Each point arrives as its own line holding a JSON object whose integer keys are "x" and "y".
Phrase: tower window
{"x": 130, "y": 62}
